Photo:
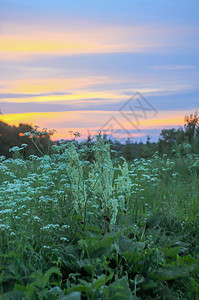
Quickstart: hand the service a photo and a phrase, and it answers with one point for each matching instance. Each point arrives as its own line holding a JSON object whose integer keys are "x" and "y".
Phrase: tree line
{"x": 173, "y": 142}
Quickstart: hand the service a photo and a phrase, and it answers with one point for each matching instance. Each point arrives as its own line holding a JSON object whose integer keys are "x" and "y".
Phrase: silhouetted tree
{"x": 127, "y": 150}
{"x": 191, "y": 126}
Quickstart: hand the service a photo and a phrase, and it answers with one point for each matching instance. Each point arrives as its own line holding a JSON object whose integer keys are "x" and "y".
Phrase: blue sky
{"x": 79, "y": 57}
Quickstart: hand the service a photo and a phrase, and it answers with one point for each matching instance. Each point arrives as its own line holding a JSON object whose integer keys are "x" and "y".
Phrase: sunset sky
{"x": 73, "y": 65}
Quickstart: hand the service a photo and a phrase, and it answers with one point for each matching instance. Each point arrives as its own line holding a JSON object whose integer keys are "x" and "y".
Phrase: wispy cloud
{"x": 17, "y": 96}
{"x": 174, "y": 67}
{"x": 21, "y": 42}
{"x": 52, "y": 86}
{"x": 77, "y": 98}
{"x": 172, "y": 98}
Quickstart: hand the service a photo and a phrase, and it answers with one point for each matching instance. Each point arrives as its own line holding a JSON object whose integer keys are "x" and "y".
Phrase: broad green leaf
{"x": 72, "y": 296}
{"x": 14, "y": 295}
{"x": 120, "y": 290}
{"x": 102, "y": 280}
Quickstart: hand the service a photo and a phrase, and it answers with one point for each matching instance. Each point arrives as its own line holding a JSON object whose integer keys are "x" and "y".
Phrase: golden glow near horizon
{"x": 92, "y": 121}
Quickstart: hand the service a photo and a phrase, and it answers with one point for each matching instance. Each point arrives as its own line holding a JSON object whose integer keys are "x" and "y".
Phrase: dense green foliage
{"x": 81, "y": 224}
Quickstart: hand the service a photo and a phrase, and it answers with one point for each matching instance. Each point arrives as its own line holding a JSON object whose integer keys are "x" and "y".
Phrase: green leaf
{"x": 120, "y": 290}
{"x": 14, "y": 295}
{"x": 42, "y": 280}
{"x": 19, "y": 287}
{"x": 171, "y": 252}
{"x": 72, "y": 296}
{"x": 80, "y": 288}
{"x": 148, "y": 284}
{"x": 99, "y": 245}
{"x": 102, "y": 280}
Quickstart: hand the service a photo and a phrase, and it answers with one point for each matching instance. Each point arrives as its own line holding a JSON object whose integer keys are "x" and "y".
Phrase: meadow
{"x": 81, "y": 223}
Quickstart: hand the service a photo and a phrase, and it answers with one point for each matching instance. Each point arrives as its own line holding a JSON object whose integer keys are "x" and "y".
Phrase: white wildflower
{"x": 124, "y": 186}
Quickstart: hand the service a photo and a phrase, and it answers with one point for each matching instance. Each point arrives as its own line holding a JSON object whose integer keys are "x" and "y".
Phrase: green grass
{"x": 74, "y": 229}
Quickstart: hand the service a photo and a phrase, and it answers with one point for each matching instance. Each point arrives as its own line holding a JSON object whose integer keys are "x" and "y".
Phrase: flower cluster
{"x": 101, "y": 179}
{"x": 75, "y": 173}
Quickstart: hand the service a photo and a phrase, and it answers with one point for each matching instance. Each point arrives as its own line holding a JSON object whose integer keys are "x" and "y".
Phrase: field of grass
{"x": 78, "y": 226}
